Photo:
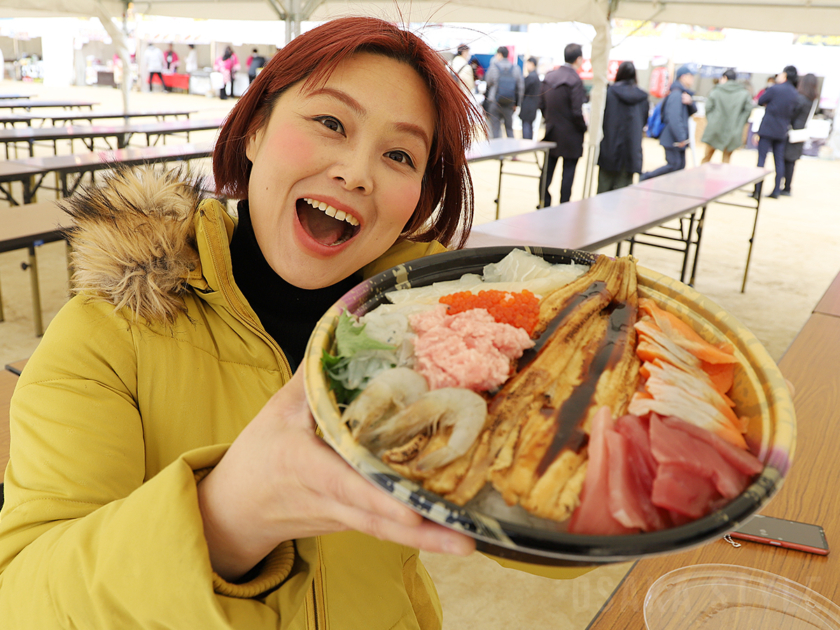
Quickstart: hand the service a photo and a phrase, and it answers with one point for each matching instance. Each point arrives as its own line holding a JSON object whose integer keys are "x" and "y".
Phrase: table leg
{"x": 29, "y": 188}
{"x": 752, "y": 240}
{"x": 499, "y": 189}
{"x": 687, "y": 247}
{"x": 543, "y": 177}
{"x": 700, "y": 224}
{"x": 36, "y": 291}
{"x": 2, "y": 317}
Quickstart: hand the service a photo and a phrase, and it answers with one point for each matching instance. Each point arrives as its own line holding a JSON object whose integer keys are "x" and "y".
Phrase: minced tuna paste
{"x": 469, "y": 349}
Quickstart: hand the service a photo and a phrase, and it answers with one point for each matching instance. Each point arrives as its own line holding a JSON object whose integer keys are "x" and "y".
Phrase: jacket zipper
{"x": 233, "y": 300}
{"x": 315, "y": 599}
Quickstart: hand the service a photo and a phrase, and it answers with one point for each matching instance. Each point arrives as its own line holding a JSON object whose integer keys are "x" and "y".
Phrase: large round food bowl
{"x": 760, "y": 393}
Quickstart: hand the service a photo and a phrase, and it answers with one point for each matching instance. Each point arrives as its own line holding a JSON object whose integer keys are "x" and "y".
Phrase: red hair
{"x": 312, "y": 57}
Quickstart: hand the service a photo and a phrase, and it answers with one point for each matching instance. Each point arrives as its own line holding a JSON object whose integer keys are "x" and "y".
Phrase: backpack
{"x": 656, "y": 123}
{"x": 506, "y": 88}
{"x": 257, "y": 62}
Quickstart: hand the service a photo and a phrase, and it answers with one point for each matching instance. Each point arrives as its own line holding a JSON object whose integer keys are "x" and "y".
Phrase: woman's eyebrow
{"x": 358, "y": 109}
{"x": 344, "y": 97}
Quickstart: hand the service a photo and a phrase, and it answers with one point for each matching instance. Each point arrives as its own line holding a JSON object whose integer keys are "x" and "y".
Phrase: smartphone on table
{"x": 783, "y": 533}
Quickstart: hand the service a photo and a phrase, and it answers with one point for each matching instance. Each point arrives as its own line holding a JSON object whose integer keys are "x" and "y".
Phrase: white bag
{"x": 795, "y": 136}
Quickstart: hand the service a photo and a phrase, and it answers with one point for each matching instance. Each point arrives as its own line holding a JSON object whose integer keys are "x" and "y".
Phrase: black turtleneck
{"x": 287, "y": 313}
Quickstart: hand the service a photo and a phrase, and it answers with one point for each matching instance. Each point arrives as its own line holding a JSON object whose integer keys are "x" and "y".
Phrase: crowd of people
{"x": 159, "y": 63}
{"x": 788, "y": 101}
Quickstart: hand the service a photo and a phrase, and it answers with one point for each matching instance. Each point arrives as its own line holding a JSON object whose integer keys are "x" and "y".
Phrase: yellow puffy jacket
{"x": 138, "y": 386}
{"x": 117, "y": 410}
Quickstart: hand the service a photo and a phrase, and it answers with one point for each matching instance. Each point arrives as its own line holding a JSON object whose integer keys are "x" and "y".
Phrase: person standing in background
{"x": 227, "y": 64}
{"x": 561, "y": 103}
{"x": 808, "y": 95}
{"x": 727, "y": 110}
{"x": 530, "y": 99}
{"x": 505, "y": 89}
{"x": 463, "y": 70}
{"x": 154, "y": 62}
{"x": 172, "y": 59}
{"x": 677, "y": 108}
{"x": 625, "y": 116}
{"x": 771, "y": 81}
{"x": 254, "y": 62}
{"x": 192, "y": 60}
{"x": 779, "y": 104}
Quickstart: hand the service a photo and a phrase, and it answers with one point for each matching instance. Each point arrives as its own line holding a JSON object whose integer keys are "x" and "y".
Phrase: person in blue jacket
{"x": 677, "y": 108}
{"x": 779, "y": 108}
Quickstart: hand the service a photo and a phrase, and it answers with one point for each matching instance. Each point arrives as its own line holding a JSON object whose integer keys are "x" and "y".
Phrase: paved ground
{"x": 795, "y": 257}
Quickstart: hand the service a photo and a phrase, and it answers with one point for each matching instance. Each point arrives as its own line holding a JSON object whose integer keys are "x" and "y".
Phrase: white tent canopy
{"x": 812, "y": 17}
{"x": 820, "y": 17}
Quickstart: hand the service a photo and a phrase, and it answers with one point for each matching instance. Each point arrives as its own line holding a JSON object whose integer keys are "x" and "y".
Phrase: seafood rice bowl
{"x": 558, "y": 406}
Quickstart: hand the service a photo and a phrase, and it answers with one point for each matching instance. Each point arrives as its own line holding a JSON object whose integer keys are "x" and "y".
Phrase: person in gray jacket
{"x": 505, "y": 89}
{"x": 676, "y": 110}
{"x": 727, "y": 110}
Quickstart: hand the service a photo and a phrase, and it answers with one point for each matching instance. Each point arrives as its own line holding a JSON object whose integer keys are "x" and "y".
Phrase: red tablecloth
{"x": 179, "y": 81}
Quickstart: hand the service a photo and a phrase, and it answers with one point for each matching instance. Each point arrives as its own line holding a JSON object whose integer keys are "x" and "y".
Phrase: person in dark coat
{"x": 530, "y": 100}
{"x": 561, "y": 103}
{"x": 625, "y": 116}
{"x": 808, "y": 93}
{"x": 677, "y": 108}
{"x": 779, "y": 102}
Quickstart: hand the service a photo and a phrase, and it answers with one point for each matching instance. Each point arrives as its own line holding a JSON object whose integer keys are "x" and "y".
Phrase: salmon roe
{"x": 517, "y": 309}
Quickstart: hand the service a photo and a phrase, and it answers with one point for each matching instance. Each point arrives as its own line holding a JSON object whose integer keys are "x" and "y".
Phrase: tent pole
{"x": 119, "y": 38}
{"x": 598, "y": 94}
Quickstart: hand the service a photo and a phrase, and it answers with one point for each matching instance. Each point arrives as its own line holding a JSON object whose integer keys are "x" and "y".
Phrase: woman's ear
{"x": 252, "y": 145}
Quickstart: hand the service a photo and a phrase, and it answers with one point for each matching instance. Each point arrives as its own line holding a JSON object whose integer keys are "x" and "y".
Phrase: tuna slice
{"x": 678, "y": 489}
{"x": 742, "y": 460}
{"x": 672, "y": 447}
{"x": 629, "y": 501}
{"x": 593, "y": 515}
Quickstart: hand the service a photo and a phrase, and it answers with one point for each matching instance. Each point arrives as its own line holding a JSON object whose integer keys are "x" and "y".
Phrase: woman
{"x": 808, "y": 93}
{"x": 625, "y": 116}
{"x": 727, "y": 110}
{"x": 779, "y": 101}
{"x": 530, "y": 99}
{"x": 463, "y": 70}
{"x": 228, "y": 65}
{"x": 158, "y": 478}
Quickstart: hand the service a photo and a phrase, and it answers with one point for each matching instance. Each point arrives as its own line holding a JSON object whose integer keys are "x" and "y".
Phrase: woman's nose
{"x": 354, "y": 172}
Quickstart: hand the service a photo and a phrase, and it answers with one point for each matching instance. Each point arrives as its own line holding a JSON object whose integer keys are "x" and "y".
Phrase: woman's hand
{"x": 279, "y": 481}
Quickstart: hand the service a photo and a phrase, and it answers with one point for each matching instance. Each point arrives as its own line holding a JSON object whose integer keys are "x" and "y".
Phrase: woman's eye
{"x": 400, "y": 156}
{"x": 331, "y": 123}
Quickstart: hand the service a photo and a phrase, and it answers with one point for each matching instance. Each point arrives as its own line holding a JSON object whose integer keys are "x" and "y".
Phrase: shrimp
{"x": 388, "y": 393}
{"x": 461, "y": 409}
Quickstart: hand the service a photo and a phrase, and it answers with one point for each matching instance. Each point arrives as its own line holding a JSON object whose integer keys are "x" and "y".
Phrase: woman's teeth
{"x": 332, "y": 212}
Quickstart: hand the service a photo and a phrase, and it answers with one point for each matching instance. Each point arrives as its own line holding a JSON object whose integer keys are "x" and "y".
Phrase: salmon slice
{"x": 685, "y": 336}
{"x": 722, "y": 375}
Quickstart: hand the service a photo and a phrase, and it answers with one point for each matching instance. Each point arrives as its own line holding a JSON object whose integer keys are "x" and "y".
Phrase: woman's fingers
{"x": 426, "y": 535}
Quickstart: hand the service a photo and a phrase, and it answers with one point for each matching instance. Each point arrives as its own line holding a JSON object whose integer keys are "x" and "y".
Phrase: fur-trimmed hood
{"x": 134, "y": 240}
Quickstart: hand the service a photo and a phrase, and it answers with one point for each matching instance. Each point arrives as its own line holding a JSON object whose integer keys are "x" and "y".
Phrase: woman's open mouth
{"x": 325, "y": 224}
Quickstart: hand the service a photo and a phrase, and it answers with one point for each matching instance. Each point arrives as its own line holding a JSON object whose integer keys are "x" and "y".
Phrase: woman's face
{"x": 337, "y": 170}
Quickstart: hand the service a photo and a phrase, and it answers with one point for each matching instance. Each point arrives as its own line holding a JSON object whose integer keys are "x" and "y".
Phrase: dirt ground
{"x": 795, "y": 257}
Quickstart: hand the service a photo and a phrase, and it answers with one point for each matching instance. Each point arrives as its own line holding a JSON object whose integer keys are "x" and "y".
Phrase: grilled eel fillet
{"x": 535, "y": 388}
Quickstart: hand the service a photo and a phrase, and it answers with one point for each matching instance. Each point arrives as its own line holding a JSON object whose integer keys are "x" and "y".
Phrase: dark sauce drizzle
{"x": 569, "y": 417}
{"x": 593, "y": 290}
